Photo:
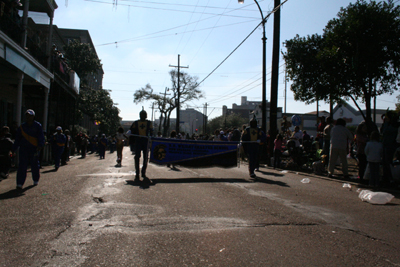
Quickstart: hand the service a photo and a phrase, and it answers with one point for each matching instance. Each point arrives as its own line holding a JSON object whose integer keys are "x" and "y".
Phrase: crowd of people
{"x": 374, "y": 149}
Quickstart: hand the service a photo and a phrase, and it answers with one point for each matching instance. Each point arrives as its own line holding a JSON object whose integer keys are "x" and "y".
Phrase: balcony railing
{"x": 11, "y": 26}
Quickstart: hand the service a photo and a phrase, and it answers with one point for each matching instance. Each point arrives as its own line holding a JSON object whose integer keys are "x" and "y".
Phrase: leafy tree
{"x": 167, "y": 103}
{"x": 230, "y": 121}
{"x": 311, "y": 67}
{"x": 82, "y": 59}
{"x": 99, "y": 106}
{"x": 398, "y": 104}
{"x": 357, "y": 57}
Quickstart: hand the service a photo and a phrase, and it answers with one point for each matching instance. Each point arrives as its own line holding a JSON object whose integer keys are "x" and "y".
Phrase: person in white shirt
{"x": 340, "y": 138}
{"x": 297, "y": 137}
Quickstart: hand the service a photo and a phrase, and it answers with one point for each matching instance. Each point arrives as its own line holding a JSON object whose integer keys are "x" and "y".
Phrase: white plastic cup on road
{"x": 346, "y": 185}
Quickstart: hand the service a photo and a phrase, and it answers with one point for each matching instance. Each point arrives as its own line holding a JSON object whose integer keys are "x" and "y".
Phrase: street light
{"x": 264, "y": 84}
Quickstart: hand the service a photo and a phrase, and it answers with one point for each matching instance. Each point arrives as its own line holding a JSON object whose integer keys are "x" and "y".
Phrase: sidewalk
{"x": 338, "y": 176}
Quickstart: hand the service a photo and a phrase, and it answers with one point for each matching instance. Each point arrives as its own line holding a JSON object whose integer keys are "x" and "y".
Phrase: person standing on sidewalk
{"x": 340, "y": 137}
{"x": 278, "y": 144}
{"x": 30, "y": 141}
{"x": 141, "y": 130}
{"x": 389, "y": 132}
{"x": 374, "y": 152}
{"x": 327, "y": 136}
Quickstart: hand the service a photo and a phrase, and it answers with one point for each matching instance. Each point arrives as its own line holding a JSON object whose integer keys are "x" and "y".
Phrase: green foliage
{"x": 82, "y": 58}
{"x": 99, "y": 106}
{"x": 78, "y": 129}
{"x": 232, "y": 120}
{"x": 358, "y": 52}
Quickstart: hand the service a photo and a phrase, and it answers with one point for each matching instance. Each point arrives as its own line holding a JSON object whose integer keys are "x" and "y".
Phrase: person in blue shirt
{"x": 58, "y": 141}
{"x": 102, "y": 146}
{"x": 30, "y": 141}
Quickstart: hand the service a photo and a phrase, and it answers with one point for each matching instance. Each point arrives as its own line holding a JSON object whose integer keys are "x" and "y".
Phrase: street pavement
{"x": 92, "y": 213}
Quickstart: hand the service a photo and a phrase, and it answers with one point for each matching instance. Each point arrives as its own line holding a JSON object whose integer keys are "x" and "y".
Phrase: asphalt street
{"x": 92, "y": 213}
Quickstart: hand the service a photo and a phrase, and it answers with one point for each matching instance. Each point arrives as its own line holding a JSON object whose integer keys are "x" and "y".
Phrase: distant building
{"x": 353, "y": 117}
{"x": 343, "y": 110}
{"x": 243, "y": 110}
{"x": 191, "y": 120}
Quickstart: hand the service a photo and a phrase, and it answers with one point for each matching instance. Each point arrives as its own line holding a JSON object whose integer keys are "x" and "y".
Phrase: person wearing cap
{"x": 141, "y": 129}
{"x": 30, "y": 141}
{"x": 58, "y": 141}
{"x": 222, "y": 136}
{"x": 102, "y": 146}
{"x": 252, "y": 137}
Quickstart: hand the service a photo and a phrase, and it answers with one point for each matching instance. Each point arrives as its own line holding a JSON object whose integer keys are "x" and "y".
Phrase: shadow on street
{"x": 15, "y": 193}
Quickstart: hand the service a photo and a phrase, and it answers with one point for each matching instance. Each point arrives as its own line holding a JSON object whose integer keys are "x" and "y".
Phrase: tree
{"x": 358, "y": 56}
{"x": 398, "y": 104}
{"x": 166, "y": 104}
{"x": 96, "y": 103}
{"x": 230, "y": 121}
{"x": 99, "y": 106}
{"x": 82, "y": 59}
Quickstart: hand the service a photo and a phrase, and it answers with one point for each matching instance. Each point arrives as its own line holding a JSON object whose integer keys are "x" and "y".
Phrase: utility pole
{"x": 205, "y": 119}
{"x": 178, "y": 104}
{"x": 285, "y": 89}
{"x": 275, "y": 72}
{"x": 152, "y": 112}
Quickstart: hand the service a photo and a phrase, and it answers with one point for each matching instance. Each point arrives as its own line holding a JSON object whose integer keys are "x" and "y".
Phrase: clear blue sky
{"x": 138, "y": 40}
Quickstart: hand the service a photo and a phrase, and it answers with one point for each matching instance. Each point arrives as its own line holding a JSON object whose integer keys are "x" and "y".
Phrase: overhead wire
{"x": 140, "y": 38}
{"x": 265, "y": 19}
{"x": 167, "y": 9}
{"x": 205, "y": 39}
{"x": 169, "y": 29}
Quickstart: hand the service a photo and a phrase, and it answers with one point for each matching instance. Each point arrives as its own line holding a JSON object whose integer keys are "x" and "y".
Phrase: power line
{"x": 265, "y": 19}
{"x": 168, "y": 9}
{"x": 175, "y": 4}
{"x": 147, "y": 36}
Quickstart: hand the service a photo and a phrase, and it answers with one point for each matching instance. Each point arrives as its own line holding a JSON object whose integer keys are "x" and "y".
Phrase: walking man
{"x": 252, "y": 137}
{"x": 30, "y": 141}
{"x": 141, "y": 130}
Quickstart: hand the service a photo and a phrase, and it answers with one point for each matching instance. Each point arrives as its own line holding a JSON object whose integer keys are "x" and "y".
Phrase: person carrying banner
{"x": 141, "y": 130}
{"x": 30, "y": 141}
{"x": 251, "y": 138}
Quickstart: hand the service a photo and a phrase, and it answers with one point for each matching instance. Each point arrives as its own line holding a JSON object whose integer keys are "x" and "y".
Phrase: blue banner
{"x": 192, "y": 153}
